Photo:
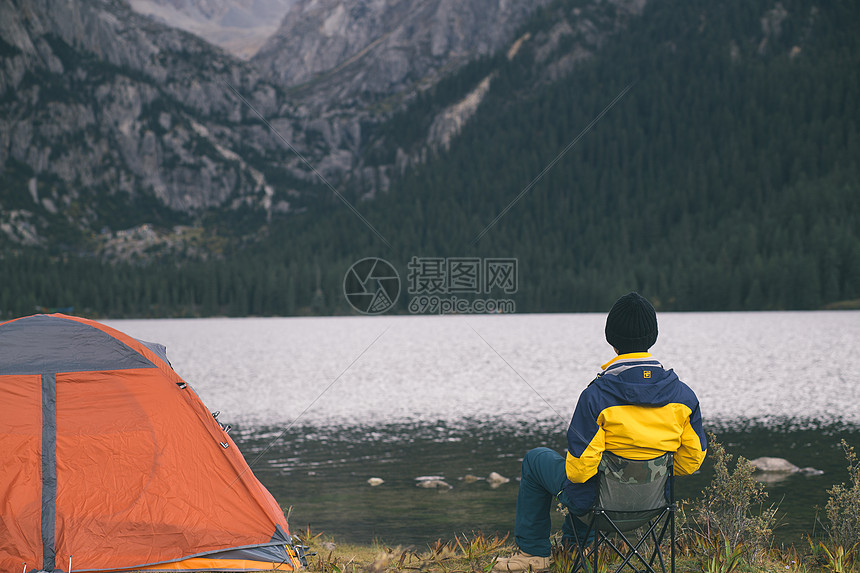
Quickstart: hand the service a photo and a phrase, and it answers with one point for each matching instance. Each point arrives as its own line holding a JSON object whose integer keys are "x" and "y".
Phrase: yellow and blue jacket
{"x": 638, "y": 410}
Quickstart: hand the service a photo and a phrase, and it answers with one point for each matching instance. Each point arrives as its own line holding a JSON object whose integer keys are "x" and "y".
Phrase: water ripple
{"x": 771, "y": 368}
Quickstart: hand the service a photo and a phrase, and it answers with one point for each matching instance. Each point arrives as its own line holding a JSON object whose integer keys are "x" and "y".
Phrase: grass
{"x": 473, "y": 553}
{"x": 476, "y": 553}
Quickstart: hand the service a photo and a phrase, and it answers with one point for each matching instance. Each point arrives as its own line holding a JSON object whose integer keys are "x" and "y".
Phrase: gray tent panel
{"x": 49, "y": 470}
{"x": 43, "y": 344}
{"x": 158, "y": 349}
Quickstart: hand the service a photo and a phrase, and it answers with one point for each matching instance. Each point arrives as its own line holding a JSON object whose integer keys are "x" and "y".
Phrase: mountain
{"x": 704, "y": 154}
{"x": 124, "y": 136}
{"x": 237, "y": 26}
{"x": 352, "y": 52}
{"x": 111, "y": 120}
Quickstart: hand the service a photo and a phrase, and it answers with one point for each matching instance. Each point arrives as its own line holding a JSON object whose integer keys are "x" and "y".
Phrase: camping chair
{"x": 631, "y": 494}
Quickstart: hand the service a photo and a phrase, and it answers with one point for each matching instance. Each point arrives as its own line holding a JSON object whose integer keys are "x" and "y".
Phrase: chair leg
{"x": 672, "y": 533}
{"x": 629, "y": 551}
{"x": 658, "y": 541}
{"x": 581, "y": 559}
{"x": 633, "y": 549}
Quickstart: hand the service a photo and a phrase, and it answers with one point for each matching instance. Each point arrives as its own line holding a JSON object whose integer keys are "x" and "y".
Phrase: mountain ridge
{"x": 99, "y": 100}
{"x": 724, "y": 179}
{"x": 401, "y": 45}
{"x": 115, "y": 121}
{"x": 234, "y": 25}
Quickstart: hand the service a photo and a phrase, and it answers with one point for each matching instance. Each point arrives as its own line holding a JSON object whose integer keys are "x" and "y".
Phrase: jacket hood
{"x": 659, "y": 388}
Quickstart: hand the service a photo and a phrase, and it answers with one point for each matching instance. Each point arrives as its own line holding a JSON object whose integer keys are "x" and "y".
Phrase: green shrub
{"x": 843, "y": 507}
{"x": 725, "y": 519}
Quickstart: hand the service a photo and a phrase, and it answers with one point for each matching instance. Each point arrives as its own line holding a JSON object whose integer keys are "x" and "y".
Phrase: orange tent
{"x": 111, "y": 462}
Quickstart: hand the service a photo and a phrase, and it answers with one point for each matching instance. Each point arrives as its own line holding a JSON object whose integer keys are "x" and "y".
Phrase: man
{"x": 634, "y": 408}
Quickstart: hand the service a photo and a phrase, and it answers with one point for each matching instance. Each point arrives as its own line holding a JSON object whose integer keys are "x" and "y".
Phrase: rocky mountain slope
{"x": 114, "y": 125}
{"x": 237, "y": 26}
{"x": 343, "y": 52}
{"x": 111, "y": 120}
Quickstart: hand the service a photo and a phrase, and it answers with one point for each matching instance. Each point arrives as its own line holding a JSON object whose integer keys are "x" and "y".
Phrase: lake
{"x": 320, "y": 405}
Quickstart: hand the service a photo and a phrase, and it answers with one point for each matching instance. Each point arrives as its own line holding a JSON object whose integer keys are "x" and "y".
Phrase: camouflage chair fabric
{"x": 631, "y": 492}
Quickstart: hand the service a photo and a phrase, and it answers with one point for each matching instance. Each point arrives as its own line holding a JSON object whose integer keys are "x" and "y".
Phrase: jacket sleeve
{"x": 694, "y": 445}
{"x": 586, "y": 441}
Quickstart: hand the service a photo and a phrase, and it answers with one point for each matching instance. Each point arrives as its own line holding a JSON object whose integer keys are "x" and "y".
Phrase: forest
{"x": 725, "y": 178}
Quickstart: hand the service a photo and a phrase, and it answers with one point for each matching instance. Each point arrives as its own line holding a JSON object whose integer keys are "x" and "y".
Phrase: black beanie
{"x": 631, "y": 325}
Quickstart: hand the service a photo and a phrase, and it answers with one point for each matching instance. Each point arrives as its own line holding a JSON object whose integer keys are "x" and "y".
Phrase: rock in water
{"x": 767, "y": 464}
{"x": 375, "y": 481}
{"x": 774, "y": 470}
{"x": 434, "y": 483}
{"x": 496, "y": 479}
{"x": 811, "y": 471}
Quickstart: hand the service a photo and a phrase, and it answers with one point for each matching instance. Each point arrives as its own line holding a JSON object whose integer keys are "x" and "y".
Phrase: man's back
{"x": 637, "y": 410}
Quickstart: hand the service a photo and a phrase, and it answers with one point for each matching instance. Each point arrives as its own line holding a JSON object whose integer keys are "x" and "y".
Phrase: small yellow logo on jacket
{"x": 646, "y": 373}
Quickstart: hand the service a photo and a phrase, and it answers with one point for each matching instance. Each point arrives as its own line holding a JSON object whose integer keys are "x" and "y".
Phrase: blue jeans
{"x": 543, "y": 477}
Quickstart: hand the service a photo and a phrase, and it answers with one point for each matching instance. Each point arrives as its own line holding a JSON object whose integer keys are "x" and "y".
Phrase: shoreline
{"x": 475, "y": 553}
